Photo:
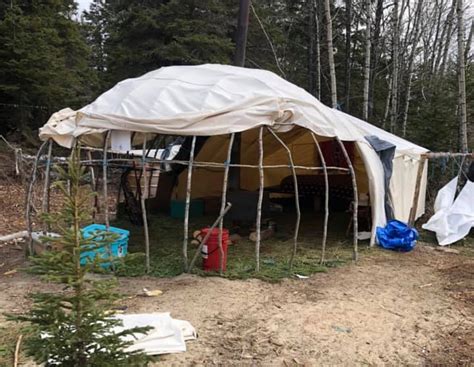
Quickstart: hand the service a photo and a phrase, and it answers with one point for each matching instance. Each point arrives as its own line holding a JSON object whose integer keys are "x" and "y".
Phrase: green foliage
{"x": 44, "y": 64}
{"x": 73, "y": 327}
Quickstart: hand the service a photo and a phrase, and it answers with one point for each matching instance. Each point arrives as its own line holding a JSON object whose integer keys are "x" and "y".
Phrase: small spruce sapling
{"x": 74, "y": 327}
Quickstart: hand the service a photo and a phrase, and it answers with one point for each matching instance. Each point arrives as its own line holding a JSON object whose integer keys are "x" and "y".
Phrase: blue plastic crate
{"x": 117, "y": 249}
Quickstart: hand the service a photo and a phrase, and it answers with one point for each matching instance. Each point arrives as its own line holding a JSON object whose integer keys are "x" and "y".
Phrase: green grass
{"x": 166, "y": 239}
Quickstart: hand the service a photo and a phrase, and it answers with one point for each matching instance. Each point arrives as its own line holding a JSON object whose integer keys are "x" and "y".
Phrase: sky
{"x": 83, "y": 5}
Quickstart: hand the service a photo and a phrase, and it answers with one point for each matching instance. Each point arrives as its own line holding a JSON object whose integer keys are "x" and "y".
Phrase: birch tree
{"x": 395, "y": 65}
{"x": 332, "y": 68}
{"x": 365, "y": 104}
{"x": 461, "y": 79}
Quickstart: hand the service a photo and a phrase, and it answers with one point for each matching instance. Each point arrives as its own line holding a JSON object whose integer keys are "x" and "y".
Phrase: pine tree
{"x": 73, "y": 327}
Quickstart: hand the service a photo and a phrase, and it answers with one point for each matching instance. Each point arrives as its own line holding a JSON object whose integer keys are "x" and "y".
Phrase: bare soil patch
{"x": 388, "y": 309}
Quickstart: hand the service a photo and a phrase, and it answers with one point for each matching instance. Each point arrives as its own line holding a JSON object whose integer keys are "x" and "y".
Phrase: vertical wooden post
{"x": 297, "y": 196}
{"x": 29, "y": 198}
{"x": 416, "y": 195}
{"x": 355, "y": 215}
{"x": 326, "y": 198}
{"x": 46, "y": 188}
{"x": 260, "y": 200}
{"x": 104, "y": 179}
{"x": 188, "y": 203}
{"x": 143, "y": 197}
{"x": 224, "y": 199}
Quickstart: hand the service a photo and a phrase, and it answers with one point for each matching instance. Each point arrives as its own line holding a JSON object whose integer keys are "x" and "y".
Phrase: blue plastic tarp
{"x": 397, "y": 235}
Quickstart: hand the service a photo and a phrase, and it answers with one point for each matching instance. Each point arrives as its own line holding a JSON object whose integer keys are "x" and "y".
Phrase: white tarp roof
{"x": 208, "y": 100}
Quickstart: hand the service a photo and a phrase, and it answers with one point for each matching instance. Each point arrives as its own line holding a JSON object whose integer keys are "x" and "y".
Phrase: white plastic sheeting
{"x": 454, "y": 216}
{"x": 210, "y": 100}
{"x": 167, "y": 336}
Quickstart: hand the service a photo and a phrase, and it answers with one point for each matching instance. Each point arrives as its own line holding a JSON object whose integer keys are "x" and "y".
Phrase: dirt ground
{"x": 388, "y": 309}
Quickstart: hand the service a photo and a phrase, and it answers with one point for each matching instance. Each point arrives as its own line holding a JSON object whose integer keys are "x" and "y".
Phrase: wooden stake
{"x": 29, "y": 198}
{"x": 104, "y": 179}
{"x": 260, "y": 200}
{"x": 416, "y": 195}
{"x": 223, "y": 200}
{"x": 17, "y": 351}
{"x": 46, "y": 188}
{"x": 93, "y": 185}
{"x": 355, "y": 215}
{"x": 204, "y": 240}
{"x": 326, "y": 199}
{"x": 297, "y": 196}
{"x": 188, "y": 203}
{"x": 143, "y": 197}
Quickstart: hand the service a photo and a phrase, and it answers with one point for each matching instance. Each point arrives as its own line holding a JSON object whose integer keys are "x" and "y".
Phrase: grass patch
{"x": 9, "y": 333}
{"x": 166, "y": 258}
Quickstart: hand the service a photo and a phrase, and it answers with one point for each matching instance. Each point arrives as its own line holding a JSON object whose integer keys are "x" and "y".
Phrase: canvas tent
{"x": 216, "y": 100}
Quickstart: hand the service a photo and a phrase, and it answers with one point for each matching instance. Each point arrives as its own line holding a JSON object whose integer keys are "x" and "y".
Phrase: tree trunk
{"x": 311, "y": 48}
{"x": 348, "y": 63}
{"x": 461, "y": 79}
{"x": 374, "y": 52}
{"x": 365, "y": 105}
{"x": 395, "y": 50}
{"x": 318, "y": 52}
{"x": 411, "y": 63}
{"x": 449, "y": 33}
{"x": 332, "y": 68}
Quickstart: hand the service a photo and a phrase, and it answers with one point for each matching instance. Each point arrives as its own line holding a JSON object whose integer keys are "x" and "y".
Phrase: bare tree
{"x": 461, "y": 79}
{"x": 348, "y": 63}
{"x": 365, "y": 104}
{"x": 411, "y": 62}
{"x": 332, "y": 68}
{"x": 395, "y": 65}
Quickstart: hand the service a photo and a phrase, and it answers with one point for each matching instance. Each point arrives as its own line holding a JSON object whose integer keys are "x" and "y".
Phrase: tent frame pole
{"x": 223, "y": 200}
{"x": 326, "y": 198}
{"x": 297, "y": 197}
{"x": 143, "y": 196}
{"x": 46, "y": 187}
{"x": 29, "y": 197}
{"x": 260, "y": 200}
{"x": 416, "y": 195}
{"x": 188, "y": 203}
{"x": 104, "y": 179}
{"x": 355, "y": 214}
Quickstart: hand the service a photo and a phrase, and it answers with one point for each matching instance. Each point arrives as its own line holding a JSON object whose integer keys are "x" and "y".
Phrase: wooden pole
{"x": 204, "y": 240}
{"x": 143, "y": 197}
{"x": 104, "y": 179}
{"x": 46, "y": 188}
{"x": 93, "y": 185}
{"x": 355, "y": 216}
{"x": 297, "y": 197}
{"x": 223, "y": 200}
{"x": 29, "y": 198}
{"x": 260, "y": 200}
{"x": 416, "y": 195}
{"x": 188, "y": 203}
{"x": 326, "y": 199}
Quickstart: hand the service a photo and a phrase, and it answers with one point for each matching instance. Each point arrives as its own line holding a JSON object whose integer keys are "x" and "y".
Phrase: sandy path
{"x": 389, "y": 309}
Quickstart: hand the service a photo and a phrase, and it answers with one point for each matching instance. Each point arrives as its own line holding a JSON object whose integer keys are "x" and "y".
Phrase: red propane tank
{"x": 210, "y": 249}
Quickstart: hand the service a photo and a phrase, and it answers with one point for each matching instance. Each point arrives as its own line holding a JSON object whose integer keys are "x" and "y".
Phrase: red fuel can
{"x": 210, "y": 249}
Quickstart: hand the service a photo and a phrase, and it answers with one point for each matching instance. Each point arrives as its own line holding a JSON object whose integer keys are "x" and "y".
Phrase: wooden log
{"x": 104, "y": 179}
{"x": 224, "y": 200}
{"x": 188, "y": 203}
{"x": 93, "y": 185}
{"x": 204, "y": 240}
{"x": 13, "y": 236}
{"x": 326, "y": 199}
{"x": 416, "y": 195}
{"x": 297, "y": 197}
{"x": 143, "y": 197}
{"x": 29, "y": 198}
{"x": 46, "y": 187}
{"x": 355, "y": 215}
{"x": 260, "y": 201}
{"x": 435, "y": 155}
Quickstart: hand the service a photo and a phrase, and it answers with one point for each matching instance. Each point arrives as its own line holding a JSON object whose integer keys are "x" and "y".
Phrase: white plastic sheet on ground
{"x": 167, "y": 336}
{"x": 454, "y": 217}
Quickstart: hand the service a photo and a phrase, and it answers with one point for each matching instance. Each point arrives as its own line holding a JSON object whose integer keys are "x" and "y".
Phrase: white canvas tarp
{"x": 213, "y": 100}
{"x": 454, "y": 216}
